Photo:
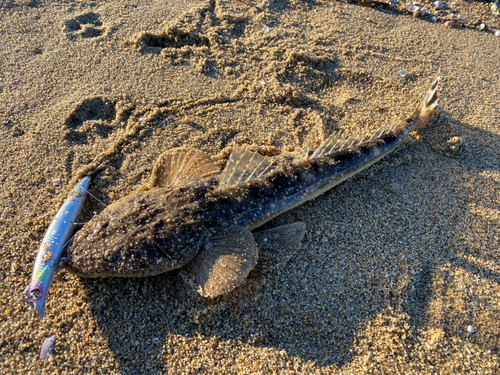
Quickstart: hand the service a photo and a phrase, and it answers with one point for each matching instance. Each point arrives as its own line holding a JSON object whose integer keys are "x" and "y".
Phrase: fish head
{"x": 139, "y": 235}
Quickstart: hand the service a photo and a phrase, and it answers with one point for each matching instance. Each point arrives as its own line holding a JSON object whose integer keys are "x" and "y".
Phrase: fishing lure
{"x": 53, "y": 244}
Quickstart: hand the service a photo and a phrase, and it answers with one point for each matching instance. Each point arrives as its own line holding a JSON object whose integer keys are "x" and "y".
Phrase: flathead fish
{"x": 194, "y": 217}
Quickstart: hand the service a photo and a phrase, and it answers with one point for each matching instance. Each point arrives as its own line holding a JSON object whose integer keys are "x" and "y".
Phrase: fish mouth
{"x": 75, "y": 270}
{"x": 70, "y": 268}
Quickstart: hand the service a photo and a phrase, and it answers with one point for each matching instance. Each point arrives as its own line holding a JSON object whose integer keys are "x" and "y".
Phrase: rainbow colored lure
{"x": 49, "y": 255}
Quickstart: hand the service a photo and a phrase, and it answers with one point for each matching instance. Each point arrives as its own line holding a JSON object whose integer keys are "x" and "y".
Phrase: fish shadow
{"x": 317, "y": 306}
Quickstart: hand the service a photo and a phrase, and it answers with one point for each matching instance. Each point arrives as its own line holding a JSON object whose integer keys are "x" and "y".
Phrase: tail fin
{"x": 339, "y": 141}
{"x": 428, "y": 105}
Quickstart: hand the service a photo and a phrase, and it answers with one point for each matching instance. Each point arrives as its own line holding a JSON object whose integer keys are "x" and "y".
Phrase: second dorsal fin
{"x": 179, "y": 166}
{"x": 243, "y": 166}
{"x": 341, "y": 141}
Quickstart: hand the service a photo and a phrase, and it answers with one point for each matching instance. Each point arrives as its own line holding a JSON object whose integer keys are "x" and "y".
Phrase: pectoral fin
{"x": 278, "y": 245}
{"x": 223, "y": 263}
{"x": 180, "y": 166}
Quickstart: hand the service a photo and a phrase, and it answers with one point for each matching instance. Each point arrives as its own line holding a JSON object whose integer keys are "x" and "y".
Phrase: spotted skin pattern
{"x": 162, "y": 228}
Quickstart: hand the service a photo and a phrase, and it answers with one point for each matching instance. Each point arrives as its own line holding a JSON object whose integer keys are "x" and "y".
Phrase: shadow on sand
{"x": 292, "y": 310}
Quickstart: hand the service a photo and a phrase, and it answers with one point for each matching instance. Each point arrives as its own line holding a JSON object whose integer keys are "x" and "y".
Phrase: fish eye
{"x": 112, "y": 257}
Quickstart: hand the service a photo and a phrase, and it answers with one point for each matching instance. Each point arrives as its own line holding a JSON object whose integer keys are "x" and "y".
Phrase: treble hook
{"x": 29, "y": 298}
{"x": 103, "y": 165}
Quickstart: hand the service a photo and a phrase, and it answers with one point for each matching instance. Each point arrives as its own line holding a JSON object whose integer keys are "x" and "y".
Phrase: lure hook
{"x": 30, "y": 297}
{"x": 101, "y": 166}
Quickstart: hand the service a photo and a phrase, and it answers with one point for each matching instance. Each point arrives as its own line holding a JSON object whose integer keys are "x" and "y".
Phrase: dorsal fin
{"x": 340, "y": 141}
{"x": 243, "y": 166}
{"x": 336, "y": 142}
{"x": 179, "y": 166}
{"x": 304, "y": 154}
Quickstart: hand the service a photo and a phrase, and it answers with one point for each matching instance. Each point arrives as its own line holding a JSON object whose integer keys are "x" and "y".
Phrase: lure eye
{"x": 31, "y": 297}
{"x": 34, "y": 294}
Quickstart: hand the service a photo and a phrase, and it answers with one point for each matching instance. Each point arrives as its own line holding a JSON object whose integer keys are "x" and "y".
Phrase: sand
{"x": 397, "y": 262}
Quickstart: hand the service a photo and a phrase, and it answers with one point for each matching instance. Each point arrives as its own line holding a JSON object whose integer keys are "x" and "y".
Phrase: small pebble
{"x": 497, "y": 33}
{"x": 482, "y": 26}
{"x": 56, "y": 181}
{"x": 471, "y": 329}
{"x": 266, "y": 28}
{"x": 438, "y": 4}
{"x": 403, "y": 74}
{"x": 14, "y": 267}
{"x": 433, "y": 19}
{"x": 47, "y": 347}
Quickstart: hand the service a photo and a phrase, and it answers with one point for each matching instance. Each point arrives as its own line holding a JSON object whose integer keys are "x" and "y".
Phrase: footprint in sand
{"x": 93, "y": 116}
{"x": 15, "y": 130}
{"x": 87, "y": 25}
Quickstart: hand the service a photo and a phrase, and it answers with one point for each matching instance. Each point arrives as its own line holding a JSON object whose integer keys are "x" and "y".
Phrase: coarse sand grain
{"x": 397, "y": 263}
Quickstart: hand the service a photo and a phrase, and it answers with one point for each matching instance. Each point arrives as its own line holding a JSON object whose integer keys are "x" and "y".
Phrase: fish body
{"x": 188, "y": 216}
{"x": 51, "y": 250}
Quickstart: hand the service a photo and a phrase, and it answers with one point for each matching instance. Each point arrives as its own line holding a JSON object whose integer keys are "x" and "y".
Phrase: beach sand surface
{"x": 397, "y": 262}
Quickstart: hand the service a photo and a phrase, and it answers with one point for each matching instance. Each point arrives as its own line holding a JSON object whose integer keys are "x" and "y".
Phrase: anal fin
{"x": 223, "y": 263}
{"x": 179, "y": 166}
{"x": 278, "y": 245}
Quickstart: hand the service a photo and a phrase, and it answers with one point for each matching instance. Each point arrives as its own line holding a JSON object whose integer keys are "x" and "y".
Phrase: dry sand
{"x": 397, "y": 262}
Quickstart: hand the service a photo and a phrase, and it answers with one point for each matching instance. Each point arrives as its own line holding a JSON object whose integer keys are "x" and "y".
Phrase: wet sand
{"x": 397, "y": 262}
